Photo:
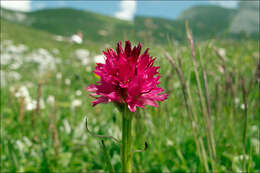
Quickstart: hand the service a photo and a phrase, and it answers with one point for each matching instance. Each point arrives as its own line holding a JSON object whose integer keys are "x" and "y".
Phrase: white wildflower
{"x": 43, "y": 59}
{"x": 22, "y": 92}
{"x": 76, "y": 103}
{"x": 242, "y": 106}
{"x": 82, "y": 53}
{"x": 78, "y": 93}
{"x": 222, "y": 52}
{"x": 31, "y": 105}
{"x": 85, "y": 61}
{"x": 115, "y": 159}
{"x": 58, "y": 76}
{"x": 59, "y": 38}
{"x": 20, "y": 145}
{"x": 27, "y": 141}
{"x": 242, "y": 157}
{"x": 169, "y": 142}
{"x": 176, "y": 85}
{"x": 50, "y": 99}
{"x": 79, "y": 130}
{"x": 67, "y": 81}
{"x": 6, "y": 58}
{"x": 237, "y": 100}
{"x": 29, "y": 84}
{"x": 67, "y": 126}
{"x": 83, "y": 56}
{"x": 99, "y": 59}
{"x": 254, "y": 128}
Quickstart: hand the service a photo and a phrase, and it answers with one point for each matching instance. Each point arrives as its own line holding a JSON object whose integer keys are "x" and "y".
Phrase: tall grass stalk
{"x": 39, "y": 93}
{"x": 22, "y": 108}
{"x": 245, "y": 119}
{"x": 209, "y": 133}
{"x": 205, "y": 80}
{"x": 227, "y": 74}
{"x": 107, "y": 157}
{"x": 54, "y": 132}
{"x": 203, "y": 151}
{"x": 190, "y": 112}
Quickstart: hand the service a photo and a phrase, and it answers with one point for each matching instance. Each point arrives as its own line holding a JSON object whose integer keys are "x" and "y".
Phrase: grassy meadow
{"x": 209, "y": 124}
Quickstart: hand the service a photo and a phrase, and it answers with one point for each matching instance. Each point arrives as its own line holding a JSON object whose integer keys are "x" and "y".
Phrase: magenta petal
{"x": 132, "y": 108}
{"x": 100, "y": 100}
{"x": 128, "y": 77}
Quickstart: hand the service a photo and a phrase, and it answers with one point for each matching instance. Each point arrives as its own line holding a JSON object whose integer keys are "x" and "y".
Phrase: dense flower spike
{"x": 127, "y": 77}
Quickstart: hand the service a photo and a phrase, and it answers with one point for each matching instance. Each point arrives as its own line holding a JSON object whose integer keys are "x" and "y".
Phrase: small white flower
{"x": 19, "y": 145}
{"x": 83, "y": 56}
{"x": 242, "y": 106}
{"x": 115, "y": 159}
{"x": 31, "y": 105}
{"x": 99, "y": 59}
{"x": 79, "y": 130}
{"x": 82, "y": 53}
{"x": 67, "y": 81}
{"x": 29, "y": 84}
{"x": 242, "y": 157}
{"x": 222, "y": 52}
{"x": 76, "y": 103}
{"x": 193, "y": 124}
{"x": 254, "y": 128}
{"x": 176, "y": 85}
{"x": 14, "y": 75}
{"x": 15, "y": 65}
{"x": 237, "y": 100}
{"x": 59, "y": 76}
{"x": 50, "y": 99}
{"x": 85, "y": 61}
{"x": 236, "y": 158}
{"x": 22, "y": 92}
{"x": 220, "y": 69}
{"x": 169, "y": 142}
{"x": 27, "y": 141}
{"x": 78, "y": 93}
{"x": 67, "y": 126}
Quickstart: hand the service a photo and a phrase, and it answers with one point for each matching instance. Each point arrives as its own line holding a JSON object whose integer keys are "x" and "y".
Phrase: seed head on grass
{"x": 127, "y": 77}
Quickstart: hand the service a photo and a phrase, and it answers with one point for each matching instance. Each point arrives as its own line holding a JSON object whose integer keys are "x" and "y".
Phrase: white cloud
{"x": 127, "y": 10}
{"x": 22, "y": 5}
{"x": 226, "y": 4}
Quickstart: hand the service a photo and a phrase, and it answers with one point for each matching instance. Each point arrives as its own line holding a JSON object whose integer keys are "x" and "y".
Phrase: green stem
{"x": 126, "y": 151}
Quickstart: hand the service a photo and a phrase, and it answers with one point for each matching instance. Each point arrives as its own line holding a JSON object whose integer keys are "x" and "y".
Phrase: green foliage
{"x": 206, "y": 22}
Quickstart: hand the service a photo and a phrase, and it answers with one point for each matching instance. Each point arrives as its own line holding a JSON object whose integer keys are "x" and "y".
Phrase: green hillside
{"x": 206, "y": 22}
